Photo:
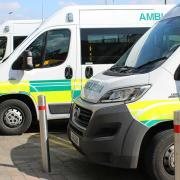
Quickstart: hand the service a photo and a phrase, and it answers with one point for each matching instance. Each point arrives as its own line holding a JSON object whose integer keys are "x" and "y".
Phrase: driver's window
{"x": 51, "y": 48}
{"x": 57, "y": 47}
{"x": 37, "y": 50}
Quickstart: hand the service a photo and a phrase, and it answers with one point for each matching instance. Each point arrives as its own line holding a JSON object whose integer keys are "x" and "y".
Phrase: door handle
{"x": 89, "y": 72}
{"x": 68, "y": 72}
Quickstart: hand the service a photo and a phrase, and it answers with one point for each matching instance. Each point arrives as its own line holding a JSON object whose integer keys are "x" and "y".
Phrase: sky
{"x": 32, "y": 9}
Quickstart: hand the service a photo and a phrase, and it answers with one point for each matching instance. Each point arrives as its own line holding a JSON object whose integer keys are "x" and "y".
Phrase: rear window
{"x": 3, "y": 44}
{"x": 17, "y": 40}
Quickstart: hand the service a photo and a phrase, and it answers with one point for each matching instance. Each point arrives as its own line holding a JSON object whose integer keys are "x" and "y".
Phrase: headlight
{"x": 125, "y": 95}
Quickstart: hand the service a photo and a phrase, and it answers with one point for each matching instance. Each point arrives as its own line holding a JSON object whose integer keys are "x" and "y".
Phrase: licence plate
{"x": 75, "y": 138}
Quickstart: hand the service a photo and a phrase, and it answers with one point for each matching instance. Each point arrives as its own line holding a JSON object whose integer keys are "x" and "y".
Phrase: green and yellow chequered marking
{"x": 76, "y": 86}
{"x": 56, "y": 91}
{"x": 152, "y": 112}
{"x": 65, "y": 91}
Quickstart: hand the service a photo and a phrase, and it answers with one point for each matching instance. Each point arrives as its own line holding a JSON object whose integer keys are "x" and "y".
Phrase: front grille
{"x": 83, "y": 117}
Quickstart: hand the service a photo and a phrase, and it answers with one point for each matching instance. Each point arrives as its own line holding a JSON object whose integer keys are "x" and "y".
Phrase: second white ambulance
{"x": 57, "y": 59}
{"x": 13, "y": 33}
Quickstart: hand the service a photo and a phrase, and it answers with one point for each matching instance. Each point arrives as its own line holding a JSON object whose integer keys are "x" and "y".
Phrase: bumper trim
{"x": 119, "y": 148}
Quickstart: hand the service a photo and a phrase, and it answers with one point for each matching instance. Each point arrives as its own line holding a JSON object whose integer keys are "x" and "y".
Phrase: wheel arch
{"x": 24, "y": 98}
{"x": 150, "y": 134}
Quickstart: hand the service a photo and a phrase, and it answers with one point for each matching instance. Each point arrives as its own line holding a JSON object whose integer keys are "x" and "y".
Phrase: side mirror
{"x": 177, "y": 74}
{"x": 27, "y": 61}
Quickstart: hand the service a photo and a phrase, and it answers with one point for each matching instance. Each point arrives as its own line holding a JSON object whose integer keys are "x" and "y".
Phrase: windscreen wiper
{"x": 121, "y": 68}
{"x": 153, "y": 61}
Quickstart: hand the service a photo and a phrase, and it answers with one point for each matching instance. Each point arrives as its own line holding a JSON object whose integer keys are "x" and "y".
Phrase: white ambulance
{"x": 124, "y": 116}
{"x": 74, "y": 44}
{"x": 13, "y": 32}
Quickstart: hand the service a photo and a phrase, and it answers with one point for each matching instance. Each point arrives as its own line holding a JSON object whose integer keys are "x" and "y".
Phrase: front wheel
{"x": 15, "y": 117}
{"x": 159, "y": 159}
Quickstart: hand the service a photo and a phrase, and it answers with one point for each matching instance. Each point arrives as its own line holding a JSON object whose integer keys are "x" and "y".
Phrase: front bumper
{"x": 112, "y": 137}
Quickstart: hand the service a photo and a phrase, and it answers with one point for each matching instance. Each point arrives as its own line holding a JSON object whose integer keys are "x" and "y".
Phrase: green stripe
{"x": 151, "y": 122}
{"x": 76, "y": 93}
{"x": 50, "y": 88}
{"x": 50, "y": 81}
{"x": 50, "y": 85}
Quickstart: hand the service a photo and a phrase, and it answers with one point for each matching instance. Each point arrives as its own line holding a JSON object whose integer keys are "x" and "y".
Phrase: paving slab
{"x": 20, "y": 159}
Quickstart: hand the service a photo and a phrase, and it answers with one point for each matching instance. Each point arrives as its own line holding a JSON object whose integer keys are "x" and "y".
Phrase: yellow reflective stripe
{"x": 14, "y": 87}
{"x": 63, "y": 96}
{"x": 76, "y": 84}
{"x": 55, "y": 96}
{"x": 24, "y": 86}
{"x": 142, "y": 104}
{"x": 84, "y": 81}
{"x": 154, "y": 110}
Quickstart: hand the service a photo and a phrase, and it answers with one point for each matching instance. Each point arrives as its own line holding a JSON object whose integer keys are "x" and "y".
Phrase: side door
{"x": 101, "y": 48}
{"x": 54, "y": 59}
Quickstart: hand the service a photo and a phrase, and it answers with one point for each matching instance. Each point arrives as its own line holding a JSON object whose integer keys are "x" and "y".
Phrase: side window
{"x": 171, "y": 40}
{"x": 3, "y": 44}
{"x": 51, "y": 48}
{"x": 106, "y": 46}
{"x": 17, "y": 40}
{"x": 37, "y": 48}
{"x": 57, "y": 47}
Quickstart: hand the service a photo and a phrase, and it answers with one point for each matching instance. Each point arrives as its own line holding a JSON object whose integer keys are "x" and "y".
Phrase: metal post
{"x": 165, "y": 1}
{"x": 44, "y": 133}
{"x": 177, "y": 144}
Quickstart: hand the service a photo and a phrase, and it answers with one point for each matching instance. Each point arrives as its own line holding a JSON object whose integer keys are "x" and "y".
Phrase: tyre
{"x": 15, "y": 117}
{"x": 159, "y": 158}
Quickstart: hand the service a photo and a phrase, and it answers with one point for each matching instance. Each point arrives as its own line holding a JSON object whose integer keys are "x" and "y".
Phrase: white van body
{"x": 65, "y": 50}
{"x": 125, "y": 114}
{"x": 14, "y": 32}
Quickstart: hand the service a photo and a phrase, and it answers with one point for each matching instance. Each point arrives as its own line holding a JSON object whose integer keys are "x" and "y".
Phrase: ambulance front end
{"x": 118, "y": 107}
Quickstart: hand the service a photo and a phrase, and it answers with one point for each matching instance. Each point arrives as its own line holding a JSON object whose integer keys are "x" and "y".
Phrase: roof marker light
{"x": 69, "y": 17}
{"x": 6, "y": 29}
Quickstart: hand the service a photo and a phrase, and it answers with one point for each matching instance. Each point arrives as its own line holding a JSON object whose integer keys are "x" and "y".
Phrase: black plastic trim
{"x": 60, "y": 108}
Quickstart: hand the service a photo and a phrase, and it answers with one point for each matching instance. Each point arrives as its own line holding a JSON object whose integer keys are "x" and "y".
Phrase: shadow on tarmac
{"x": 59, "y": 126}
{"x": 66, "y": 162}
